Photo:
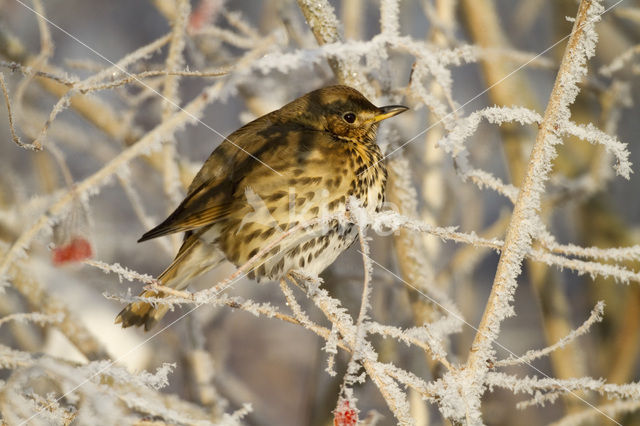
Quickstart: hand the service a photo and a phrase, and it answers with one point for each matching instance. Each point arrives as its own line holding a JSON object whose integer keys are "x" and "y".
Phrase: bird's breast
{"x": 369, "y": 176}
{"x": 319, "y": 187}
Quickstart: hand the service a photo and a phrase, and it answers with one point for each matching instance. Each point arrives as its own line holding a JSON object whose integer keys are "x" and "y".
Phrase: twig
{"x": 344, "y": 323}
{"x": 596, "y": 316}
{"x": 36, "y": 317}
{"x": 5, "y": 92}
{"x": 298, "y": 313}
{"x": 324, "y": 24}
{"x": 93, "y": 110}
{"x": 136, "y": 77}
{"x": 27, "y": 70}
{"x": 612, "y": 409}
{"x": 518, "y": 239}
{"x": 350, "y": 377}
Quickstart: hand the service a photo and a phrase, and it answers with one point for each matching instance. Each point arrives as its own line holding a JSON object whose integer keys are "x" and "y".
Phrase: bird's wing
{"x": 201, "y": 207}
{"x": 212, "y": 192}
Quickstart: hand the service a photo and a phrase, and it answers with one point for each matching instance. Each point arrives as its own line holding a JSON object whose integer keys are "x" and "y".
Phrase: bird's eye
{"x": 349, "y": 117}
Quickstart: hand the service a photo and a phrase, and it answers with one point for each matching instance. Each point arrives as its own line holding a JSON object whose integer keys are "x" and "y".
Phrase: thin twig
{"x": 5, "y": 92}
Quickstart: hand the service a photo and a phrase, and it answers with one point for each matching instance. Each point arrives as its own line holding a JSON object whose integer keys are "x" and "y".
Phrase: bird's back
{"x": 280, "y": 170}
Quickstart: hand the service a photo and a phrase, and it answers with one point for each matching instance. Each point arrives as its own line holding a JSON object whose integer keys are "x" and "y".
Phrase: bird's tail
{"x": 194, "y": 258}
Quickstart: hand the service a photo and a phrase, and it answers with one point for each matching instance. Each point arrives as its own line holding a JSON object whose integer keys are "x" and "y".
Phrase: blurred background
{"x": 279, "y": 368}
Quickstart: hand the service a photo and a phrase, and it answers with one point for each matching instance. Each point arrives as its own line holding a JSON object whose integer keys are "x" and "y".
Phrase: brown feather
{"x": 185, "y": 266}
{"x": 306, "y": 154}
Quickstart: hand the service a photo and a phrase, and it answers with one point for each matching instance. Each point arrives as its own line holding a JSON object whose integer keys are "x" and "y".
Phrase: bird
{"x": 288, "y": 167}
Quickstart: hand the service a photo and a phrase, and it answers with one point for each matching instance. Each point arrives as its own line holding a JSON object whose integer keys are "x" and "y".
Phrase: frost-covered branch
{"x": 35, "y": 317}
{"x": 580, "y": 47}
{"x": 345, "y": 325}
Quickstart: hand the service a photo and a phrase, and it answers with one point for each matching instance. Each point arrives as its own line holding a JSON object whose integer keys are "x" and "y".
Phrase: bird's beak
{"x": 388, "y": 112}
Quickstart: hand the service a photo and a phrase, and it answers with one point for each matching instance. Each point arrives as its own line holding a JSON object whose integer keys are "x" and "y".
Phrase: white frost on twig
{"x": 530, "y": 356}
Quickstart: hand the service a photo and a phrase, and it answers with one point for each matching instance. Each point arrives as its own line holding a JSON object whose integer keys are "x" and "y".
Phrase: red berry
{"x": 344, "y": 415}
{"x": 76, "y": 250}
{"x": 202, "y": 15}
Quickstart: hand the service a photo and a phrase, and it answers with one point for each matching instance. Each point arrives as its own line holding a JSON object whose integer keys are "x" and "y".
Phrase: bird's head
{"x": 340, "y": 110}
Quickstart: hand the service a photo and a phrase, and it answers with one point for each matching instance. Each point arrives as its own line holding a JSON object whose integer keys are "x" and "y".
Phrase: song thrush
{"x": 287, "y": 167}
